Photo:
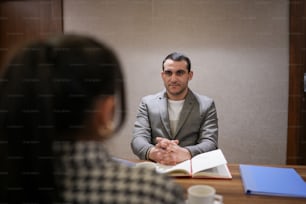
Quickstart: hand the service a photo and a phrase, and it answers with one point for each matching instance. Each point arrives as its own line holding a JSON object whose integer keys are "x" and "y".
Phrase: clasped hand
{"x": 168, "y": 152}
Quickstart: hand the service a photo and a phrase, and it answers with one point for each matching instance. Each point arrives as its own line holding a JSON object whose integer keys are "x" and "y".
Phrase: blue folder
{"x": 273, "y": 181}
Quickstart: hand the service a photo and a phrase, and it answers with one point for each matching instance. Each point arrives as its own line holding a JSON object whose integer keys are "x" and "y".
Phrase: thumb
{"x": 175, "y": 141}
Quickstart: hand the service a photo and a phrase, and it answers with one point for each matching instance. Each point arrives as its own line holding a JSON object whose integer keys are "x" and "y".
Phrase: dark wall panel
{"x": 22, "y": 21}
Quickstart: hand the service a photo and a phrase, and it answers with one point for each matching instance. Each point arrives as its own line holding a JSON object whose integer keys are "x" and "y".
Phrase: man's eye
{"x": 168, "y": 73}
{"x": 180, "y": 73}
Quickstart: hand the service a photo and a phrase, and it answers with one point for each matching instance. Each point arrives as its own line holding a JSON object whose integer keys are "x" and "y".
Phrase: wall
{"x": 239, "y": 53}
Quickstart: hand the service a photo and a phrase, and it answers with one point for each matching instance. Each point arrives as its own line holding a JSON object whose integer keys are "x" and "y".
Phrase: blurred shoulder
{"x": 202, "y": 98}
{"x": 156, "y": 96}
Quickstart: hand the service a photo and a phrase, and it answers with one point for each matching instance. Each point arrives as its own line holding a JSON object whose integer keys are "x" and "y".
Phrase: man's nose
{"x": 173, "y": 77}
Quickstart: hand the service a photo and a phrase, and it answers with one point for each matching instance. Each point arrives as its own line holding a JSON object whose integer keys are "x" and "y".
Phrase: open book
{"x": 206, "y": 165}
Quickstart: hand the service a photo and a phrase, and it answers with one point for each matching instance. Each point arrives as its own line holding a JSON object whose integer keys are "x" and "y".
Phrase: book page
{"x": 207, "y": 160}
{"x": 216, "y": 172}
{"x": 181, "y": 168}
{"x": 146, "y": 164}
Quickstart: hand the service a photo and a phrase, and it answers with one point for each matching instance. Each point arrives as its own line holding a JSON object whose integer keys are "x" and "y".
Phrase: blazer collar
{"x": 163, "y": 111}
{"x": 187, "y": 107}
{"x": 186, "y": 110}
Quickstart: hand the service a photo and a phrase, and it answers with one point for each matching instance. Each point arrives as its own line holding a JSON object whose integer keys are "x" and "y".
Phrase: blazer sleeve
{"x": 141, "y": 141}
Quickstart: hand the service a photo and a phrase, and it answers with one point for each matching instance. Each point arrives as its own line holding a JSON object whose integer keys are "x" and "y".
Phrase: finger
{"x": 165, "y": 143}
{"x": 168, "y": 160}
{"x": 158, "y": 139}
{"x": 175, "y": 141}
{"x": 161, "y": 145}
{"x": 173, "y": 147}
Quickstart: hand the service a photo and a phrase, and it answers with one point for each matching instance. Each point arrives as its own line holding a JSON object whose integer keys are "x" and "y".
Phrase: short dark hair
{"x": 176, "y": 56}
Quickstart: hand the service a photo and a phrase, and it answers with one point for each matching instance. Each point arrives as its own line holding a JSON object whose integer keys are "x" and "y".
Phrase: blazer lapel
{"x": 163, "y": 110}
{"x": 187, "y": 107}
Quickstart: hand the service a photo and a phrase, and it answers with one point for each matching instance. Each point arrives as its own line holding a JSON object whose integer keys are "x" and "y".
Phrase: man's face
{"x": 176, "y": 77}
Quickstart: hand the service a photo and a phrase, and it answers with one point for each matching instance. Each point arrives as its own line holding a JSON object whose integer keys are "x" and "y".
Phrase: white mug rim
{"x": 212, "y": 190}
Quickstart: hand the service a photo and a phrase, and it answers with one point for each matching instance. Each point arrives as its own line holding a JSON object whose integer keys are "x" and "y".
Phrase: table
{"x": 232, "y": 190}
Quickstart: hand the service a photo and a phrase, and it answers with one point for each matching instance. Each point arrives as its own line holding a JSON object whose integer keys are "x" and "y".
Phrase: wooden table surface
{"x": 232, "y": 190}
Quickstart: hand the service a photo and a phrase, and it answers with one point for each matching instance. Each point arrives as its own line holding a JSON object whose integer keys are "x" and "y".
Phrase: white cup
{"x": 203, "y": 194}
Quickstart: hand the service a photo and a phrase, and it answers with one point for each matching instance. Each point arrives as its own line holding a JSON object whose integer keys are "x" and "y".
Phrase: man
{"x": 175, "y": 124}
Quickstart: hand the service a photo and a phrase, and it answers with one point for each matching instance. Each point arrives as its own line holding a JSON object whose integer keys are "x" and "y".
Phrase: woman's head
{"x": 56, "y": 83}
{"x": 63, "y": 88}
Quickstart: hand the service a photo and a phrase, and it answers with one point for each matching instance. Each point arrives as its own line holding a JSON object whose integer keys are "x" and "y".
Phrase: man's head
{"x": 176, "y": 75}
{"x": 176, "y": 56}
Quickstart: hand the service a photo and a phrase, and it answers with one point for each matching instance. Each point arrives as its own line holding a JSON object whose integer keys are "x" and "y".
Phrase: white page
{"x": 208, "y": 160}
{"x": 185, "y": 165}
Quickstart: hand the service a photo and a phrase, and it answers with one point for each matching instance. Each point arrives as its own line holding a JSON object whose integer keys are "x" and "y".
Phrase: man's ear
{"x": 104, "y": 115}
{"x": 190, "y": 75}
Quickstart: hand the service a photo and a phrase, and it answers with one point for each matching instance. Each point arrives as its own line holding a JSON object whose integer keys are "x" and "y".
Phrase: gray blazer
{"x": 197, "y": 128}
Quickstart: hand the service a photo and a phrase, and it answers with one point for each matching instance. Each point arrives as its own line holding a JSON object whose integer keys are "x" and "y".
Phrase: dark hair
{"x": 47, "y": 91}
{"x": 176, "y": 56}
